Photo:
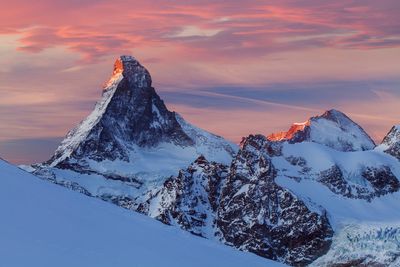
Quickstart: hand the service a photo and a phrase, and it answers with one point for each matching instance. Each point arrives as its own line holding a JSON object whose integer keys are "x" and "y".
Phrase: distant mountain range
{"x": 320, "y": 194}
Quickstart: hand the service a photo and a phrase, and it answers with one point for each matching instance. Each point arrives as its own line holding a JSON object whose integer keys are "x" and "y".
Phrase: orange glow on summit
{"x": 281, "y": 136}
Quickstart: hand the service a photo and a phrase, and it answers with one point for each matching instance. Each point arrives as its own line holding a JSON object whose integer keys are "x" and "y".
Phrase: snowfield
{"x": 43, "y": 224}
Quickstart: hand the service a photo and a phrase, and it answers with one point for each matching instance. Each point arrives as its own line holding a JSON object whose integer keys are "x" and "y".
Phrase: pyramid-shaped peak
{"x": 133, "y": 71}
{"x": 334, "y": 115}
{"x": 128, "y": 58}
{"x": 333, "y": 112}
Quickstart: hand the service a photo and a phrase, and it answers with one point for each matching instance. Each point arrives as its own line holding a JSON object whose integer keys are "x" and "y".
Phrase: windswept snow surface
{"x": 43, "y": 224}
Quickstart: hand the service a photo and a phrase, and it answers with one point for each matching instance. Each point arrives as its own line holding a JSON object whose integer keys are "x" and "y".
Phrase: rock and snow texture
{"x": 361, "y": 174}
{"x": 46, "y": 225}
{"x": 132, "y": 125}
{"x": 132, "y": 137}
{"x": 258, "y": 215}
{"x": 191, "y": 199}
{"x": 333, "y": 129}
{"x": 283, "y": 197}
{"x": 391, "y": 142}
{"x": 356, "y": 189}
{"x": 364, "y": 245}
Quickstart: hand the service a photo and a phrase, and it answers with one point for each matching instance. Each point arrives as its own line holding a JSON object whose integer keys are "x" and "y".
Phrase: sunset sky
{"x": 231, "y": 67}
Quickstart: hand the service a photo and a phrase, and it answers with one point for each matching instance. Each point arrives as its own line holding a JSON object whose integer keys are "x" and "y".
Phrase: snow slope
{"x": 43, "y": 224}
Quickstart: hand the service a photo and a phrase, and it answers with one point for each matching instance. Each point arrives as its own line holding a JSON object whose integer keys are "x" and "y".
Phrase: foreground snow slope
{"x": 47, "y": 225}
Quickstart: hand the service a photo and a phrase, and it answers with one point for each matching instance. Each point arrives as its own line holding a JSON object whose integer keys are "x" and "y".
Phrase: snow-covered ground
{"x": 43, "y": 224}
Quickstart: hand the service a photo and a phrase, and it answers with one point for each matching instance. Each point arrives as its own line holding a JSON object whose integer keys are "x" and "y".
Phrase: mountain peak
{"x": 334, "y": 115}
{"x": 131, "y": 69}
{"x": 130, "y": 121}
{"x": 333, "y": 128}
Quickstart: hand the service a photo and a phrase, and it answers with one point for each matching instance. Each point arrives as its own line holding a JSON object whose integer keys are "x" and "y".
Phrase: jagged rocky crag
{"x": 191, "y": 199}
{"x": 133, "y": 152}
{"x": 242, "y": 206}
{"x": 258, "y": 215}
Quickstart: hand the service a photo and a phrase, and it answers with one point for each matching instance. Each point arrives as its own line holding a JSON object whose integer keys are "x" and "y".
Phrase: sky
{"x": 231, "y": 67}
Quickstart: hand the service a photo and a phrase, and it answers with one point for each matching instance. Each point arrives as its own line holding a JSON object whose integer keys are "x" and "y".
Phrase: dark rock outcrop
{"x": 259, "y": 216}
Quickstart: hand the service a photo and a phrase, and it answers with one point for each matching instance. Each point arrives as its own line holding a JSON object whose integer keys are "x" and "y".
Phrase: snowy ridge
{"x": 333, "y": 129}
{"x": 354, "y": 199}
{"x": 53, "y": 226}
{"x": 213, "y": 147}
{"x": 78, "y": 134}
{"x": 361, "y": 174}
{"x": 338, "y": 131}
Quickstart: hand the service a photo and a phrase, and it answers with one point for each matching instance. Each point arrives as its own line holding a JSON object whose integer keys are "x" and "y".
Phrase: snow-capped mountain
{"x": 287, "y": 197}
{"x": 46, "y": 225}
{"x": 333, "y": 129}
{"x": 131, "y": 132}
{"x": 130, "y": 143}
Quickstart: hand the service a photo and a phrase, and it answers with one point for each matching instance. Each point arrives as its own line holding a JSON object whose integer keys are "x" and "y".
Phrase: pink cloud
{"x": 247, "y": 29}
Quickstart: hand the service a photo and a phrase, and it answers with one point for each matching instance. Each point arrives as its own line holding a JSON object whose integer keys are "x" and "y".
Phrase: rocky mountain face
{"x": 129, "y": 113}
{"x": 190, "y": 199}
{"x": 131, "y": 126}
{"x": 258, "y": 215}
{"x": 283, "y": 197}
{"x": 242, "y": 206}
